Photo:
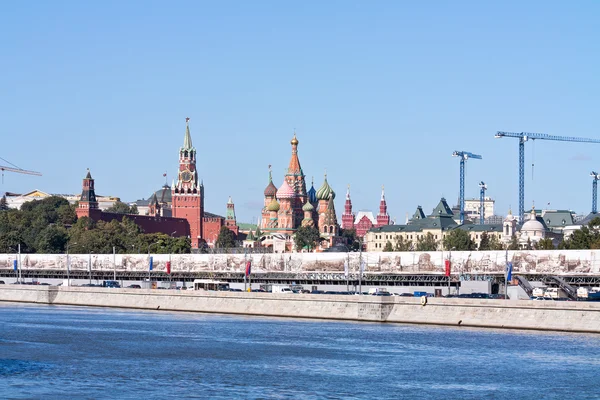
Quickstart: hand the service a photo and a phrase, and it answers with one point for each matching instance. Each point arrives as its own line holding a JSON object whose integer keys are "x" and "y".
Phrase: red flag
{"x": 248, "y": 268}
{"x": 169, "y": 267}
{"x": 447, "y": 267}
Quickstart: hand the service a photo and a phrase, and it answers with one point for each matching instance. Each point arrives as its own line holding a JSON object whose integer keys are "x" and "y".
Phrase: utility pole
{"x": 20, "y": 277}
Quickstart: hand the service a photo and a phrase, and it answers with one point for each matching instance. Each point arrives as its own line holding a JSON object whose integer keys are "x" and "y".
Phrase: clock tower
{"x": 187, "y": 192}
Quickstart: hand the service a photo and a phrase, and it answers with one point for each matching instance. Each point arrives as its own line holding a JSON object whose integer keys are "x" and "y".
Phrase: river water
{"x": 56, "y": 352}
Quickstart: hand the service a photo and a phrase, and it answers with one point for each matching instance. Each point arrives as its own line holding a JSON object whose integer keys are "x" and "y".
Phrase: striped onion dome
{"x": 325, "y": 191}
{"x": 285, "y": 191}
{"x": 273, "y": 206}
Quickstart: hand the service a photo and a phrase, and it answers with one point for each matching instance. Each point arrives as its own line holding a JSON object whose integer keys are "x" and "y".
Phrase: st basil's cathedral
{"x": 291, "y": 206}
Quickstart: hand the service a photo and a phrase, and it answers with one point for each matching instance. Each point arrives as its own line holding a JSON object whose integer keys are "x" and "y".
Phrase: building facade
{"x": 363, "y": 221}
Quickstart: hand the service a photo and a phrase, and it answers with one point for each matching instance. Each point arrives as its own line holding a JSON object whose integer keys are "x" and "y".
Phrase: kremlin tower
{"x": 347, "y": 216}
{"x": 383, "y": 218}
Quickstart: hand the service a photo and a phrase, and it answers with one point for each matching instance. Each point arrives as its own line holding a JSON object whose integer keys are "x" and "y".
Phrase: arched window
{"x": 324, "y": 229}
{"x": 331, "y": 229}
{"x": 506, "y": 230}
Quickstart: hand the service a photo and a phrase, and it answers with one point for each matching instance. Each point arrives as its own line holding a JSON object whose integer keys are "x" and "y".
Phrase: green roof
{"x": 396, "y": 228}
{"x": 246, "y": 227}
{"x": 442, "y": 209}
{"x": 480, "y": 228}
{"x": 559, "y": 218}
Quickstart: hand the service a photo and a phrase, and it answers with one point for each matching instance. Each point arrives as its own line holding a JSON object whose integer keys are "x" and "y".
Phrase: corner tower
{"x": 347, "y": 216}
{"x": 187, "y": 192}
{"x": 88, "y": 205}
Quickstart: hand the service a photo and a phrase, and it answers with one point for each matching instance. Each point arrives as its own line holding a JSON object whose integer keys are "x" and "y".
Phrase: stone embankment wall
{"x": 527, "y": 314}
{"x": 557, "y": 262}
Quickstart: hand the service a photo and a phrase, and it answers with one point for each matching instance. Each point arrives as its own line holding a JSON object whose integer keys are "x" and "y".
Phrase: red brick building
{"x": 187, "y": 205}
{"x": 364, "y": 220}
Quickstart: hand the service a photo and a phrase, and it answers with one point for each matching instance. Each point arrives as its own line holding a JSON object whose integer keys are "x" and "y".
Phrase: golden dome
{"x": 294, "y": 141}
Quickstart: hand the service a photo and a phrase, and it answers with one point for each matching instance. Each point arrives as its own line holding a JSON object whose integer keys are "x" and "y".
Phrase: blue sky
{"x": 378, "y": 92}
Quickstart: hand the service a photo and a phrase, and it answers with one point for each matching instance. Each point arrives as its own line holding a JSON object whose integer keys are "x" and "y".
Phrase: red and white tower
{"x": 187, "y": 192}
{"x": 347, "y": 216}
{"x": 383, "y": 218}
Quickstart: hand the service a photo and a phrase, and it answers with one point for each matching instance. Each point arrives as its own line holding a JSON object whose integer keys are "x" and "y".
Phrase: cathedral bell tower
{"x": 187, "y": 192}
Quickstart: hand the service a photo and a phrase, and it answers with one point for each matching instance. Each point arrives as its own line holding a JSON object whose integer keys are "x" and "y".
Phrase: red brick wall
{"x": 150, "y": 224}
{"x": 212, "y": 226}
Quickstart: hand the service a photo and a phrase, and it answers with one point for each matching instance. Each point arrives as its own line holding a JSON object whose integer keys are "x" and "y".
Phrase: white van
{"x": 281, "y": 289}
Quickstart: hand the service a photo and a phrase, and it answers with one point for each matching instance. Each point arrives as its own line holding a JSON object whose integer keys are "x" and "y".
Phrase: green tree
{"x": 528, "y": 246}
{"x": 388, "y": 246}
{"x": 484, "y": 244}
{"x": 458, "y": 239}
{"x": 402, "y": 244}
{"x": 3, "y": 204}
{"x": 307, "y": 237}
{"x": 351, "y": 238}
{"x": 52, "y": 240}
{"x": 495, "y": 243}
{"x": 67, "y": 214}
{"x": 545, "y": 244}
{"x": 226, "y": 238}
{"x": 121, "y": 208}
{"x": 514, "y": 243}
{"x": 427, "y": 243}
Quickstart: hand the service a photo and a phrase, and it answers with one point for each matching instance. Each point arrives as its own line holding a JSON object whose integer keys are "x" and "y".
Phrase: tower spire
{"x": 187, "y": 140}
{"x": 383, "y": 218}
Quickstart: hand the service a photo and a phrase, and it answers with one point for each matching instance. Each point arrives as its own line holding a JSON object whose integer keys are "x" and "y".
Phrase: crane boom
{"x": 525, "y": 136}
{"x": 542, "y": 136}
{"x": 19, "y": 170}
{"x": 464, "y": 156}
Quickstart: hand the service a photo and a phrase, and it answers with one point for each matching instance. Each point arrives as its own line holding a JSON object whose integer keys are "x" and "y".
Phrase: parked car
{"x": 134, "y": 286}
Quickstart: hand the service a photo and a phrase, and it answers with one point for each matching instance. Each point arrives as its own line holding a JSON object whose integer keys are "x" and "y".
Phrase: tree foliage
{"x": 514, "y": 243}
{"x": 3, "y": 204}
{"x": 351, "y": 239}
{"x": 51, "y": 226}
{"x": 587, "y": 237}
{"x": 403, "y": 244}
{"x": 484, "y": 243}
{"x": 545, "y": 244}
{"x": 226, "y": 238}
{"x": 388, "y": 246}
{"x": 307, "y": 237}
{"x": 459, "y": 239}
{"x": 495, "y": 243}
{"x": 121, "y": 208}
{"x": 427, "y": 243}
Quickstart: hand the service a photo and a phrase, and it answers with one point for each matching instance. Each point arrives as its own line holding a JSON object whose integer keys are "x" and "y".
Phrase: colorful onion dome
{"x": 271, "y": 189}
{"x": 285, "y": 191}
{"x": 273, "y": 206}
{"x": 312, "y": 193}
{"x": 325, "y": 191}
{"x": 307, "y": 207}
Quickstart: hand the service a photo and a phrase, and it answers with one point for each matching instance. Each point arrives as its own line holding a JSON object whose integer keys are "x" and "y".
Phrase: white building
{"x": 14, "y": 200}
{"x": 473, "y": 208}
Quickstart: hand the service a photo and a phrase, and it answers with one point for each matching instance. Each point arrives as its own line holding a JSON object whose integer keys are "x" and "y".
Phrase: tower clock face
{"x": 186, "y": 176}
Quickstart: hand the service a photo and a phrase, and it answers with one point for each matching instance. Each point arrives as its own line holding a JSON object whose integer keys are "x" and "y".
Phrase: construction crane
{"x": 464, "y": 156}
{"x": 483, "y": 188}
{"x": 523, "y": 137}
{"x": 596, "y": 177}
{"x": 15, "y": 168}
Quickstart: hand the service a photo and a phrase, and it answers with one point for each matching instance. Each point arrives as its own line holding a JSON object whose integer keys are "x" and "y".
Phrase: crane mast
{"x": 524, "y": 137}
{"x": 483, "y": 188}
{"x": 464, "y": 156}
{"x": 596, "y": 177}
